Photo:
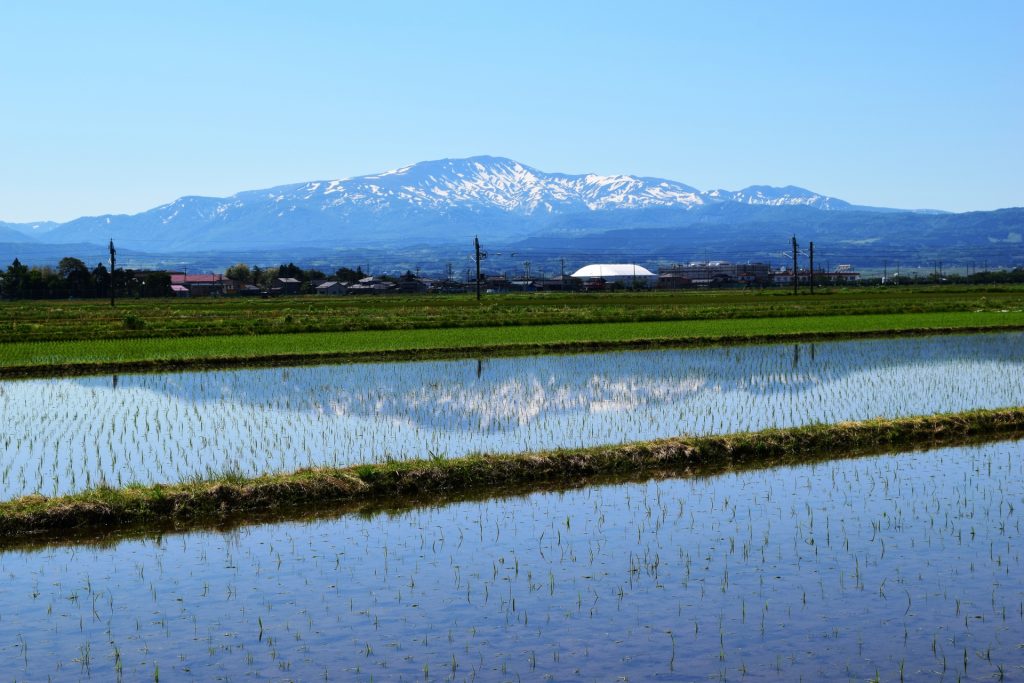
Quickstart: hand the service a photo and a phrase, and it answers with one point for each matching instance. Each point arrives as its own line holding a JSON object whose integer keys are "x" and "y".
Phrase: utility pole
{"x": 113, "y": 260}
{"x": 795, "y": 279}
{"x": 885, "y": 271}
{"x": 812, "y": 267}
{"x": 476, "y": 248}
{"x": 562, "y": 261}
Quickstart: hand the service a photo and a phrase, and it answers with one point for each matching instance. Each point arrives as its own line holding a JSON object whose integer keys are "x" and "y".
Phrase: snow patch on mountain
{"x": 429, "y": 201}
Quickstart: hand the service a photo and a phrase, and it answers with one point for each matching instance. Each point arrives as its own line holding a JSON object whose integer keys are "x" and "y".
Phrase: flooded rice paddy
{"x": 898, "y": 567}
{"x": 65, "y": 435}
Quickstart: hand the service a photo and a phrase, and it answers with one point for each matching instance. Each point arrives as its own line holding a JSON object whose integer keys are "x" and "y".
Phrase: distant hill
{"x": 428, "y": 212}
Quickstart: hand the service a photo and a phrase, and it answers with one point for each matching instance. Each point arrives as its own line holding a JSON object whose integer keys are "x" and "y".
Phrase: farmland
{"x": 688, "y": 498}
{"x": 109, "y": 355}
{"x": 42, "y": 337}
{"x": 904, "y": 565}
{"x": 63, "y": 435}
{"x": 22, "y": 321}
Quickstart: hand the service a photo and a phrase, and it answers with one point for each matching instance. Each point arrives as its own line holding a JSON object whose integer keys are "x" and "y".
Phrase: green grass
{"x": 189, "y": 502}
{"x": 225, "y": 351}
{"x": 157, "y": 318}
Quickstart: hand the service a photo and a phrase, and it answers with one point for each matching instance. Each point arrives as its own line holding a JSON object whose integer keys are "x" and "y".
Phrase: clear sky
{"x": 116, "y": 107}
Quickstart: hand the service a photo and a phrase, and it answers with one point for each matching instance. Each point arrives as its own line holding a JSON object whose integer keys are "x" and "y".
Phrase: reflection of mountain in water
{"x": 471, "y": 394}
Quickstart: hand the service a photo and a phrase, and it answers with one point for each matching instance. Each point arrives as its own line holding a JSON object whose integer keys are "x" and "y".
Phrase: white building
{"x": 609, "y": 271}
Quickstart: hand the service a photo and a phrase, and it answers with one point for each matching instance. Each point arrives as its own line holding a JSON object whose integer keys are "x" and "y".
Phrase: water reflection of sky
{"x": 876, "y": 568}
{"x": 65, "y": 434}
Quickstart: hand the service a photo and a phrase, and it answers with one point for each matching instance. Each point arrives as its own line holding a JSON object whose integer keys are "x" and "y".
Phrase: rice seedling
{"x": 98, "y": 355}
{"x": 879, "y": 567}
{"x": 61, "y": 436}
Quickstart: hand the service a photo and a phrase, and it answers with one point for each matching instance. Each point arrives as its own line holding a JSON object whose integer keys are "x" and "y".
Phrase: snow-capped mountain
{"x": 485, "y": 182}
{"x": 444, "y": 200}
{"x": 430, "y": 211}
{"x": 503, "y": 184}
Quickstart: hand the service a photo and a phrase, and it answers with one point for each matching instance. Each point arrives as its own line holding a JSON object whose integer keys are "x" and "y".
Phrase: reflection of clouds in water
{"x": 60, "y": 435}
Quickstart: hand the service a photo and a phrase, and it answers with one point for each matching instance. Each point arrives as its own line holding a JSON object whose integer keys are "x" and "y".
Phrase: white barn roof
{"x": 613, "y": 270}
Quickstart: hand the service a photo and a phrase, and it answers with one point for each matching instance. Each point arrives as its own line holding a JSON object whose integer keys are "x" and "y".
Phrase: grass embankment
{"x": 98, "y": 356}
{"x": 196, "y": 501}
{"x": 157, "y": 318}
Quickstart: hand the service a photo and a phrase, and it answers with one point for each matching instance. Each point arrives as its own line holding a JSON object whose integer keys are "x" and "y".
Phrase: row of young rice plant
{"x": 55, "y": 320}
{"x": 65, "y": 435}
{"x": 897, "y": 567}
{"x": 57, "y": 357}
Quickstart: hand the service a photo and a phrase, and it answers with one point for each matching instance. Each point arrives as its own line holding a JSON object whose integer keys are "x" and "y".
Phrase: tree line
{"x": 264, "y": 277}
{"x": 73, "y": 279}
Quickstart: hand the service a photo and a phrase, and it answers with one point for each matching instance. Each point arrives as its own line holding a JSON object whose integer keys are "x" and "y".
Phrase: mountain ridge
{"x": 439, "y": 192}
{"x": 433, "y": 205}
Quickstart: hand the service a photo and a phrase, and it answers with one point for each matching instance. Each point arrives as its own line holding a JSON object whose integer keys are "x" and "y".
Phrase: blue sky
{"x": 116, "y": 107}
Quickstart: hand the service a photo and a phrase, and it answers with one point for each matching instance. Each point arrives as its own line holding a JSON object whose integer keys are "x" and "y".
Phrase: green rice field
{"x": 104, "y": 354}
{"x": 134, "y": 318}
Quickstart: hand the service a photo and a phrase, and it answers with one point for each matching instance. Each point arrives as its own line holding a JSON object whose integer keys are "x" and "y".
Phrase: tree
{"x": 100, "y": 280}
{"x": 291, "y": 270}
{"x": 349, "y": 275}
{"x": 239, "y": 273}
{"x": 264, "y": 277}
{"x": 15, "y": 280}
{"x": 75, "y": 274}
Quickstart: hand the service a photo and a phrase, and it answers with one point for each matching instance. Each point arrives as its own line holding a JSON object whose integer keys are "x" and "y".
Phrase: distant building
{"x": 612, "y": 270}
{"x": 598, "y": 276}
{"x": 496, "y": 283}
{"x": 331, "y": 287}
{"x": 410, "y": 284}
{"x": 714, "y": 273}
{"x": 202, "y": 284}
{"x": 843, "y": 273}
{"x": 785, "y": 277}
{"x": 285, "y": 285}
{"x": 371, "y": 285}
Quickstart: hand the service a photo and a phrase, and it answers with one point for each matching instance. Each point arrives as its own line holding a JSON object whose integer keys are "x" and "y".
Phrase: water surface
{"x": 904, "y": 565}
{"x": 63, "y": 435}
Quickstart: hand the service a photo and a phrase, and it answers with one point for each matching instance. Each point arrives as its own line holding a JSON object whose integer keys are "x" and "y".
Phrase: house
{"x": 371, "y": 285}
{"x": 449, "y": 287}
{"x": 202, "y": 284}
{"x": 285, "y": 285}
{"x": 496, "y": 283}
{"x": 180, "y": 291}
{"x": 844, "y": 273}
{"x": 522, "y": 286}
{"x": 785, "y": 277}
{"x": 410, "y": 284}
{"x": 332, "y": 287}
{"x": 671, "y": 280}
